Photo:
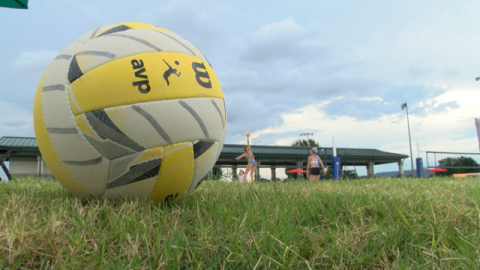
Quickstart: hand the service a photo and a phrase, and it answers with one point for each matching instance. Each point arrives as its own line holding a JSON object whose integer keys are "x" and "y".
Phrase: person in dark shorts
{"x": 313, "y": 165}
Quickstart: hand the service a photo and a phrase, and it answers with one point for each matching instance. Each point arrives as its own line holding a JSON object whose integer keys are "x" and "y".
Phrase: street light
{"x": 307, "y": 134}
{"x": 404, "y": 106}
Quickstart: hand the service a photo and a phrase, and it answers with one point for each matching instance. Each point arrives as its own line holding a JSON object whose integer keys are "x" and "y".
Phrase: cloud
{"x": 446, "y": 106}
{"x": 420, "y": 99}
{"x": 22, "y": 78}
{"x": 286, "y": 41}
{"x": 208, "y": 27}
{"x": 417, "y": 72}
{"x": 290, "y": 62}
{"x": 246, "y": 112}
{"x": 15, "y": 124}
{"x": 19, "y": 121}
{"x": 450, "y": 72}
{"x": 381, "y": 132}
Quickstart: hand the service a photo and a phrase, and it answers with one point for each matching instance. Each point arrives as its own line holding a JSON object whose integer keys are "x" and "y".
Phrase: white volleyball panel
{"x": 164, "y": 122}
{"x": 68, "y": 142}
{"x": 205, "y": 154}
{"x": 129, "y": 42}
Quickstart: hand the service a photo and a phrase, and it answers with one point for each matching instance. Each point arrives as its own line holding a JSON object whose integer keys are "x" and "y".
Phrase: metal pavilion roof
{"x": 268, "y": 154}
{"x": 236, "y": 149}
{"x": 27, "y": 145}
{"x": 20, "y": 142}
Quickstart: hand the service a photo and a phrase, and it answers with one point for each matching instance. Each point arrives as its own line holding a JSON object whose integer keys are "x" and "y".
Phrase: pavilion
{"x": 26, "y": 160}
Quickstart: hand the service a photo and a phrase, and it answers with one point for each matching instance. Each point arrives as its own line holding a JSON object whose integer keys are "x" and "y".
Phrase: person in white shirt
{"x": 241, "y": 175}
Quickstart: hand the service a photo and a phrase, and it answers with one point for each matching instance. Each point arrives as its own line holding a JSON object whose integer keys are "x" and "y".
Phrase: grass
{"x": 370, "y": 224}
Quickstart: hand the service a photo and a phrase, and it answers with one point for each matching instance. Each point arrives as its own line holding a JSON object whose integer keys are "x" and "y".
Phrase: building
{"x": 26, "y": 160}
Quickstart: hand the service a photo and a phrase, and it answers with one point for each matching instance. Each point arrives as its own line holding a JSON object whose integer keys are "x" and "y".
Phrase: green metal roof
{"x": 28, "y": 145}
{"x": 235, "y": 149}
{"x": 20, "y": 142}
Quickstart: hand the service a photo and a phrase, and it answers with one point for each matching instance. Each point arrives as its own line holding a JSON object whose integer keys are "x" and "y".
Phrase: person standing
{"x": 250, "y": 158}
{"x": 313, "y": 165}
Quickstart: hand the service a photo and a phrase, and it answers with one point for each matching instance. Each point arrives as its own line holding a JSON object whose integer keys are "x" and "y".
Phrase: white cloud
{"x": 16, "y": 121}
{"x": 287, "y": 28}
{"x": 285, "y": 40}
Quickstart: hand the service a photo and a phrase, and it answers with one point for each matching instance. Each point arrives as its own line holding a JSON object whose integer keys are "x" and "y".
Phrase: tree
{"x": 303, "y": 142}
{"x": 458, "y": 162}
{"x": 217, "y": 173}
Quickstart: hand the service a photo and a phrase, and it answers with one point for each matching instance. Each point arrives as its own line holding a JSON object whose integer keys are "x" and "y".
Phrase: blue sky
{"x": 334, "y": 68}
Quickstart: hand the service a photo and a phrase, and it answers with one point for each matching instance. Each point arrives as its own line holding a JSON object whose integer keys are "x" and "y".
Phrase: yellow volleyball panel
{"x": 176, "y": 173}
{"x": 134, "y": 175}
{"x": 84, "y": 126}
{"x": 139, "y": 25}
{"x": 73, "y": 103}
{"x": 151, "y": 154}
{"x": 56, "y": 166}
{"x": 143, "y": 78}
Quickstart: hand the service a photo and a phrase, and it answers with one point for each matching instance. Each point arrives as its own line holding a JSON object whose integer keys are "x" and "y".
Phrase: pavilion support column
{"x": 234, "y": 173}
{"x": 257, "y": 171}
{"x": 401, "y": 173}
{"x": 4, "y": 167}
{"x": 370, "y": 169}
{"x": 273, "y": 172}
{"x": 300, "y": 166}
{"x": 39, "y": 166}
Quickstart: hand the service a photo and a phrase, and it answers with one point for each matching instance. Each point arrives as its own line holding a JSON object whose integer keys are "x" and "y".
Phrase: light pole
{"x": 477, "y": 121}
{"x": 307, "y": 134}
{"x": 404, "y": 106}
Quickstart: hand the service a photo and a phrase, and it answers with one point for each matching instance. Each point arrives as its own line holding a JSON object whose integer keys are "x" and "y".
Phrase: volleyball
{"x": 130, "y": 110}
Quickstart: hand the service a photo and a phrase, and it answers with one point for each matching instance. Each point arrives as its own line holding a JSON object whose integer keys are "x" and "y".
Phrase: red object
{"x": 296, "y": 171}
{"x": 437, "y": 170}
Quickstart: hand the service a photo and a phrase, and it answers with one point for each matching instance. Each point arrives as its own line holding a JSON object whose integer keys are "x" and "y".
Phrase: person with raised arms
{"x": 250, "y": 158}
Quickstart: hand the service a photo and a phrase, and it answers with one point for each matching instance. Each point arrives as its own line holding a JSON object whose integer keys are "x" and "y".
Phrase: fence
{"x": 436, "y": 156}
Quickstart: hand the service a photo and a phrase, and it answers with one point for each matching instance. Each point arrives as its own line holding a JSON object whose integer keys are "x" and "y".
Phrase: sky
{"x": 332, "y": 68}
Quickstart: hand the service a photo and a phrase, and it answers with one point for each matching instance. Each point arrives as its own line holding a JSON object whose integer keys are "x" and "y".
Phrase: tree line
{"x": 458, "y": 162}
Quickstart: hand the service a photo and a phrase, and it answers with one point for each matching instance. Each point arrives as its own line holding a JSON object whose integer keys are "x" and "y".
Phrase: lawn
{"x": 371, "y": 224}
